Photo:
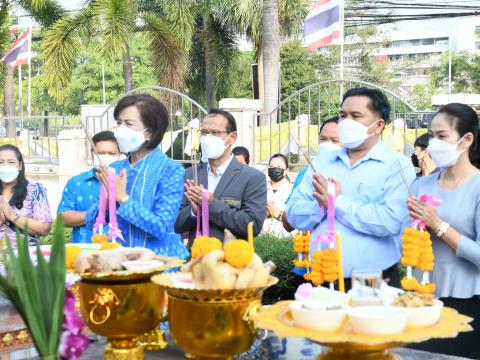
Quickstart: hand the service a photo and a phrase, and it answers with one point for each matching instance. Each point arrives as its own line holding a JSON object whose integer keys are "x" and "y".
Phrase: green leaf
{"x": 38, "y": 292}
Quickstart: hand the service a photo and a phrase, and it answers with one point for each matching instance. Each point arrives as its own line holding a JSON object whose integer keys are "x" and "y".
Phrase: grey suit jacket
{"x": 240, "y": 198}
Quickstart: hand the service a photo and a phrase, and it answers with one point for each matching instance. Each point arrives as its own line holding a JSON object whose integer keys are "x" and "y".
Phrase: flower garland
{"x": 417, "y": 252}
{"x": 72, "y": 342}
{"x": 107, "y": 196}
{"x": 301, "y": 245}
{"x": 325, "y": 260}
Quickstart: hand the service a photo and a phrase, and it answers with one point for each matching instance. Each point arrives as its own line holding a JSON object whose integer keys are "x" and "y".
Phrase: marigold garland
{"x": 109, "y": 246}
{"x": 71, "y": 253}
{"x": 203, "y": 245}
{"x": 417, "y": 252}
{"x": 330, "y": 265}
{"x": 238, "y": 253}
{"x": 316, "y": 276}
{"x": 99, "y": 238}
{"x": 301, "y": 245}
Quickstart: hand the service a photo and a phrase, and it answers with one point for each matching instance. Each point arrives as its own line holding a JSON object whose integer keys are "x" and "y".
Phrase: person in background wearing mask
{"x": 278, "y": 190}
{"x": 455, "y": 224}
{"x": 149, "y": 184}
{"x": 370, "y": 197}
{"x": 242, "y": 154}
{"x": 421, "y": 158}
{"x": 328, "y": 140}
{"x": 79, "y": 203}
{"x": 23, "y": 204}
{"x": 237, "y": 194}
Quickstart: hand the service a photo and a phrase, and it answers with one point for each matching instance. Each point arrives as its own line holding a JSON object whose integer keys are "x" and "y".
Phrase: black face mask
{"x": 415, "y": 160}
{"x": 276, "y": 174}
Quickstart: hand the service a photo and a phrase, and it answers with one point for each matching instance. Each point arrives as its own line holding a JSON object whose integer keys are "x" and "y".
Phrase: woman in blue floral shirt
{"x": 149, "y": 184}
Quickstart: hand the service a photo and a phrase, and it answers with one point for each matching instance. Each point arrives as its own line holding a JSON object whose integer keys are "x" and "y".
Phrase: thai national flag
{"x": 20, "y": 51}
{"x": 322, "y": 25}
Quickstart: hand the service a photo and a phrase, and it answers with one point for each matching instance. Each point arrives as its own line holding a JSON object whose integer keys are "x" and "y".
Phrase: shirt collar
{"x": 222, "y": 168}
{"x": 377, "y": 152}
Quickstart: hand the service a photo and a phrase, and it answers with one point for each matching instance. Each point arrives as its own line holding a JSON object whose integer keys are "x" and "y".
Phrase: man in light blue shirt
{"x": 370, "y": 196}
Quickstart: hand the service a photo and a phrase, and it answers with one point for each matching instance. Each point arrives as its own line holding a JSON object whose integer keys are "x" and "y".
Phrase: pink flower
{"x": 73, "y": 346}
{"x": 72, "y": 343}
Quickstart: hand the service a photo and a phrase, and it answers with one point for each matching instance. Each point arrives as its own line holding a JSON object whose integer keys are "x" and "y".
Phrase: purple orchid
{"x": 72, "y": 343}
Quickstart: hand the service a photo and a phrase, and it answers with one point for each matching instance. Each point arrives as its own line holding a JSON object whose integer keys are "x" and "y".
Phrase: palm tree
{"x": 271, "y": 54}
{"x": 43, "y": 11}
{"x": 247, "y": 17}
{"x": 108, "y": 26}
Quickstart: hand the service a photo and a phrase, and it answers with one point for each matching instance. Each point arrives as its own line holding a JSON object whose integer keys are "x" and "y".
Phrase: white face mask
{"x": 8, "y": 173}
{"x": 212, "y": 147}
{"x": 444, "y": 153}
{"x": 327, "y": 146}
{"x": 106, "y": 159}
{"x": 129, "y": 140}
{"x": 353, "y": 133}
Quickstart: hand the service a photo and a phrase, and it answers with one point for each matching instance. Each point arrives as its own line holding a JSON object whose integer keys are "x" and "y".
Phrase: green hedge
{"x": 47, "y": 240}
{"x": 280, "y": 251}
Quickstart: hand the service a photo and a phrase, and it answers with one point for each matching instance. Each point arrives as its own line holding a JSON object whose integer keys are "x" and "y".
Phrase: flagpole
{"x": 29, "y": 96}
{"x": 20, "y": 109}
{"x": 342, "y": 43}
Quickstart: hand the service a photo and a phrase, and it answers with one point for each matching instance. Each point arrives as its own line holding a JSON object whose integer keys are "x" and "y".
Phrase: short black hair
{"x": 422, "y": 141}
{"x": 281, "y": 156}
{"x": 153, "y": 113}
{"x": 241, "y": 150}
{"x": 331, "y": 120}
{"x": 378, "y": 100}
{"x": 231, "y": 123}
{"x": 104, "y": 136}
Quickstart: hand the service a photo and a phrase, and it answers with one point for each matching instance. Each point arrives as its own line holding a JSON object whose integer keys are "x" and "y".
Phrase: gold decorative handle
{"x": 104, "y": 298}
{"x": 105, "y": 318}
{"x": 251, "y": 311}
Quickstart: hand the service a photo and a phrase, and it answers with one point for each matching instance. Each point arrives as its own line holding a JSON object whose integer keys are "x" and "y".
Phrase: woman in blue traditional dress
{"x": 149, "y": 184}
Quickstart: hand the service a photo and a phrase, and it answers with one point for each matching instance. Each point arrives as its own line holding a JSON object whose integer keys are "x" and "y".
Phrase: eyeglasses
{"x": 217, "y": 133}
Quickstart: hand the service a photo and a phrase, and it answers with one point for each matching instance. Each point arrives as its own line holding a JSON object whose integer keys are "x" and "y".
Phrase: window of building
{"x": 441, "y": 41}
{"x": 429, "y": 41}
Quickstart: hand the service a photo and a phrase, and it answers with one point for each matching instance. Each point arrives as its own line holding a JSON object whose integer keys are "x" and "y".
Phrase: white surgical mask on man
{"x": 8, "y": 173}
{"x": 129, "y": 140}
{"x": 444, "y": 153}
{"x": 327, "y": 146}
{"x": 105, "y": 159}
{"x": 353, "y": 133}
{"x": 213, "y": 147}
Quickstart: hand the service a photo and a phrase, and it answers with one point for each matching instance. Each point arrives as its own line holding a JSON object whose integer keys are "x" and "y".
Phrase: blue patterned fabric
{"x": 82, "y": 193}
{"x": 146, "y": 218}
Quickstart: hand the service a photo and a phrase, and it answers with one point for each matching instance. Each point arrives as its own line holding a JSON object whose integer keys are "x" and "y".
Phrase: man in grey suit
{"x": 237, "y": 194}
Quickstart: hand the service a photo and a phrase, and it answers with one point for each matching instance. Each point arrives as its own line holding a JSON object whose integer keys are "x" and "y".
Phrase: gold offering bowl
{"x": 122, "y": 306}
{"x": 211, "y": 324}
{"x": 347, "y": 345}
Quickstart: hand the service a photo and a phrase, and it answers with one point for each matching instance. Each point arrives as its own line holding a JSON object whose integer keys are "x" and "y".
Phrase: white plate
{"x": 142, "y": 265}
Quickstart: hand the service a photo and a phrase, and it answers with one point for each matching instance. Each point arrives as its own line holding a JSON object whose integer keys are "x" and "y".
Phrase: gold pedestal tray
{"x": 211, "y": 324}
{"x": 346, "y": 345}
{"x": 122, "y": 306}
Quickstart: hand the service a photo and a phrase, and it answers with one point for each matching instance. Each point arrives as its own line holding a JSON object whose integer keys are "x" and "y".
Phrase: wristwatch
{"x": 442, "y": 229}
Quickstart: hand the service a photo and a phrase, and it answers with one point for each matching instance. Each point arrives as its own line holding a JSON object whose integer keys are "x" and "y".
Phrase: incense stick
{"x": 92, "y": 145}
{"x": 403, "y": 178}
{"x": 194, "y": 166}
{"x": 301, "y": 152}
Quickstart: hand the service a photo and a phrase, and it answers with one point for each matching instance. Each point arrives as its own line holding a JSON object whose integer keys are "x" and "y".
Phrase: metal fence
{"x": 296, "y": 121}
{"x": 36, "y": 136}
{"x": 183, "y": 112}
